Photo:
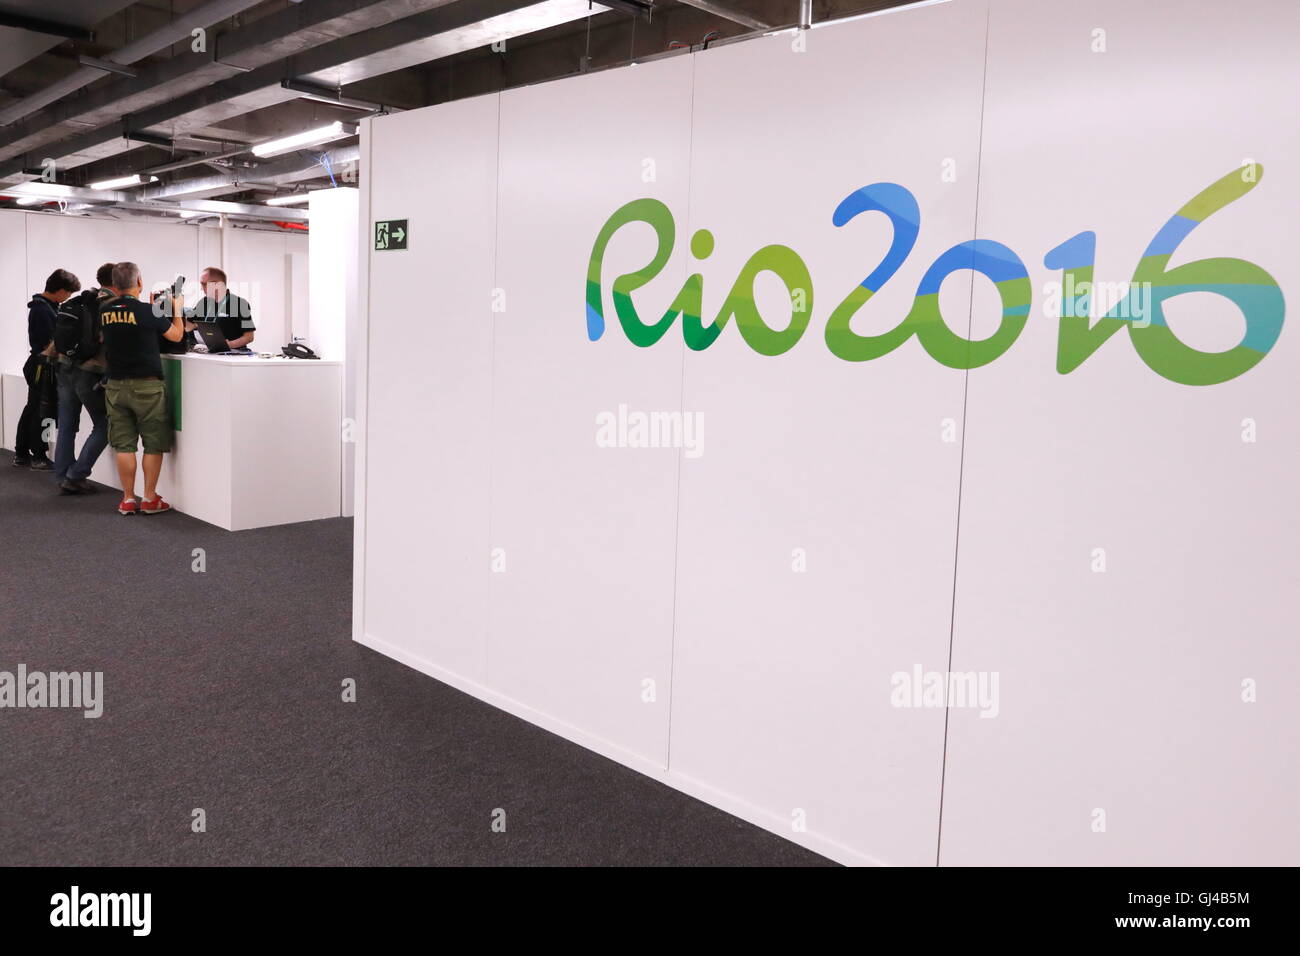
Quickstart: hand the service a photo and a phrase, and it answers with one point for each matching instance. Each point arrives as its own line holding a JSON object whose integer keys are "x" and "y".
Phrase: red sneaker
{"x": 128, "y": 506}
{"x": 155, "y": 507}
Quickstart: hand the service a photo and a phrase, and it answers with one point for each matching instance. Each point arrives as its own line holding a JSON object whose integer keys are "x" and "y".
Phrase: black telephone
{"x": 298, "y": 350}
{"x": 178, "y": 287}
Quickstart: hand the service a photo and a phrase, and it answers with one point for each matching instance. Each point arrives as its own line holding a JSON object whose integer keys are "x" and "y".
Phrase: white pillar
{"x": 333, "y": 254}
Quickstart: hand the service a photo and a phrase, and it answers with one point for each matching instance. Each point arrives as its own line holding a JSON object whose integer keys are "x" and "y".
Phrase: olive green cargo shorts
{"x": 137, "y": 410}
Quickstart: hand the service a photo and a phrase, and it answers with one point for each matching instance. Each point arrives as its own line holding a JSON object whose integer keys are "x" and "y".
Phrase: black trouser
{"x": 41, "y": 406}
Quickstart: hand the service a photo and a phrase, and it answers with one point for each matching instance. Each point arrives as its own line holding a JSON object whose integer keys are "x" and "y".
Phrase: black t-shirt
{"x": 131, "y": 337}
{"x": 232, "y": 314}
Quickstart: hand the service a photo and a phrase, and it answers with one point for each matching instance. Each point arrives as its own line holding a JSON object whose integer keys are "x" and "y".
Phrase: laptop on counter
{"x": 214, "y": 340}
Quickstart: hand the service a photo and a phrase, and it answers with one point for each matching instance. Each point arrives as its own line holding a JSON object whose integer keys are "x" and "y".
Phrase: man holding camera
{"x": 136, "y": 396}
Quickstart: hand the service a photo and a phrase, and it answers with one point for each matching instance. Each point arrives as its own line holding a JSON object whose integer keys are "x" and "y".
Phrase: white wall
{"x": 1123, "y": 689}
{"x": 440, "y": 439}
{"x": 300, "y": 296}
{"x": 259, "y": 267}
{"x": 781, "y": 717}
{"x": 736, "y": 623}
{"x": 14, "y": 296}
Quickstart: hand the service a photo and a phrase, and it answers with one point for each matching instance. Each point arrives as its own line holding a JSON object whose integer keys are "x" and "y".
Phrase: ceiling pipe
{"x": 179, "y": 29}
{"x": 120, "y": 213}
{"x": 203, "y": 208}
{"x": 156, "y": 199}
{"x": 196, "y": 161}
{"x": 107, "y": 66}
{"x": 211, "y": 206}
{"x": 289, "y": 169}
{"x": 55, "y": 192}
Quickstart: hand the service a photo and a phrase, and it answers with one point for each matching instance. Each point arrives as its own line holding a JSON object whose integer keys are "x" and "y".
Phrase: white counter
{"x": 259, "y": 442}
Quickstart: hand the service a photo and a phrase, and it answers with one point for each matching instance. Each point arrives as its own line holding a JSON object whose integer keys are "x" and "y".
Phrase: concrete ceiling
{"x": 18, "y": 46}
{"x": 191, "y": 116}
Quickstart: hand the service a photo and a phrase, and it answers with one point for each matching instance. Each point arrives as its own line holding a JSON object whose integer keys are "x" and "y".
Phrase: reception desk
{"x": 258, "y": 442}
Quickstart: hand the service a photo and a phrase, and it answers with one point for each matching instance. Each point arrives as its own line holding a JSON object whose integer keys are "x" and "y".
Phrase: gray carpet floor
{"x": 222, "y": 692}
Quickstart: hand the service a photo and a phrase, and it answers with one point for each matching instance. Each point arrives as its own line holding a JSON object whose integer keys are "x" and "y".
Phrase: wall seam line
{"x": 681, "y": 404}
{"x": 961, "y": 465}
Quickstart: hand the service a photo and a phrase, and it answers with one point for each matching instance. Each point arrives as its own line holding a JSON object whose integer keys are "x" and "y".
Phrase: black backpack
{"x": 76, "y": 327}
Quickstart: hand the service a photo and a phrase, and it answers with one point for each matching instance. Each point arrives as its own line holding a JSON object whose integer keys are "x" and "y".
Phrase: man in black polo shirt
{"x": 136, "y": 398}
{"x": 231, "y": 313}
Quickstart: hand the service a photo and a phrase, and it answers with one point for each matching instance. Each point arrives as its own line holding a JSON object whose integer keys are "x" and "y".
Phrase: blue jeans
{"x": 77, "y": 390}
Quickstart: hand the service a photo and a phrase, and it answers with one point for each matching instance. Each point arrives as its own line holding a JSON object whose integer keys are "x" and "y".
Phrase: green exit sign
{"x": 391, "y": 234}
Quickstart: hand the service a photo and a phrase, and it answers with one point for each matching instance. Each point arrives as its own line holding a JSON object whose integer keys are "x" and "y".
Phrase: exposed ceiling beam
{"x": 728, "y": 13}
{"x": 92, "y": 69}
{"x": 636, "y": 8}
{"x": 441, "y": 31}
{"x": 151, "y": 139}
{"x": 269, "y": 39}
{"x": 464, "y": 25}
{"x": 52, "y": 28}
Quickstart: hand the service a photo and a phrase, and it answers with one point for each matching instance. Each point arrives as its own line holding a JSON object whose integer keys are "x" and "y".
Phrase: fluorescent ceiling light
{"x": 39, "y": 191}
{"x": 323, "y": 94}
{"x": 311, "y": 137}
{"x": 288, "y": 200}
{"x": 123, "y": 182}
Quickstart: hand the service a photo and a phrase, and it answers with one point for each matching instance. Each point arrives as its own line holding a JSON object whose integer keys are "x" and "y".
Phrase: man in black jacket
{"x": 31, "y": 450}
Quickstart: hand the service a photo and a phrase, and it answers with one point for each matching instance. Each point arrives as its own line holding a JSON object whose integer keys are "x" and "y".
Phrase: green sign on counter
{"x": 172, "y": 384}
{"x": 390, "y": 234}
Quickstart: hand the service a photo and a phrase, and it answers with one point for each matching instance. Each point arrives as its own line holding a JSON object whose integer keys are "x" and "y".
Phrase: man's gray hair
{"x": 126, "y": 275}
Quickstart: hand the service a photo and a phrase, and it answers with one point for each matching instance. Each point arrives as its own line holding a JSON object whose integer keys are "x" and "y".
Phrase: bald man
{"x": 231, "y": 313}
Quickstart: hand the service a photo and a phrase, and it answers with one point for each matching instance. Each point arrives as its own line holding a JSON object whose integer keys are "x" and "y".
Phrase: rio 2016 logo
{"x": 1246, "y": 285}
